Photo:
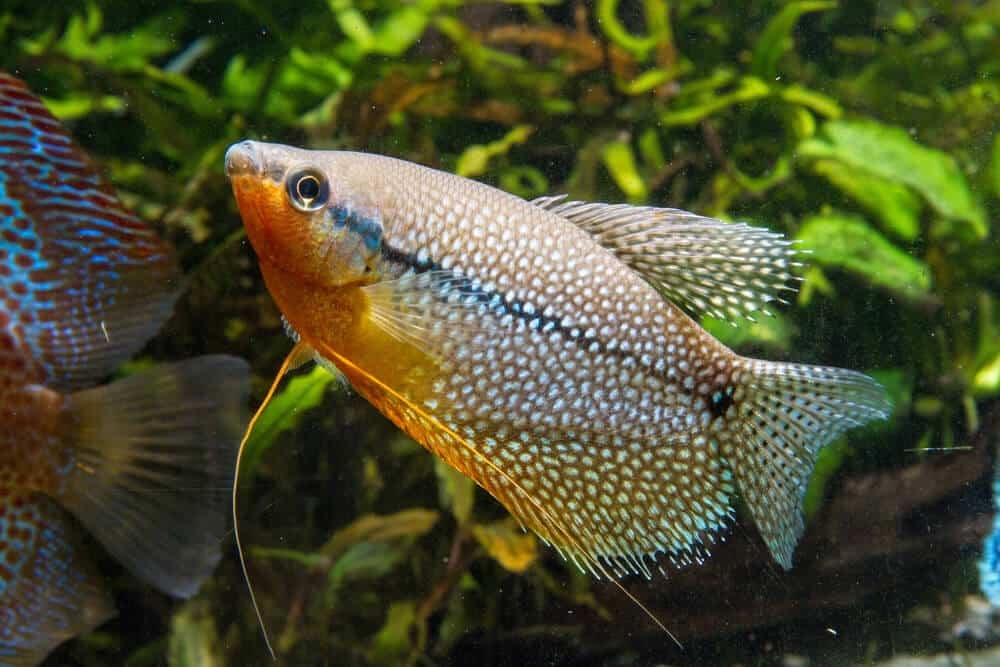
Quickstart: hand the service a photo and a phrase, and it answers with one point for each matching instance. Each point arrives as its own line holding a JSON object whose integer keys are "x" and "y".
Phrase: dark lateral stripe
{"x": 474, "y": 292}
{"x": 499, "y": 304}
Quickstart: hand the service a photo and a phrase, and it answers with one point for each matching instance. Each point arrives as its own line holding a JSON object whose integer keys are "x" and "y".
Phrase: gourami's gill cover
{"x": 540, "y": 348}
{"x": 143, "y": 463}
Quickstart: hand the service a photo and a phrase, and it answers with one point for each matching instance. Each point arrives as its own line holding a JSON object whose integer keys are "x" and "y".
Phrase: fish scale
{"x": 539, "y": 348}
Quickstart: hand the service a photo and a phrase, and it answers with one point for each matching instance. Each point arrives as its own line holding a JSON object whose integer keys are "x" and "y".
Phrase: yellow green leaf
{"x": 456, "y": 490}
{"x": 283, "y": 413}
{"x": 776, "y": 39}
{"x": 394, "y": 640}
{"x": 620, "y": 162}
{"x": 894, "y": 204}
{"x": 474, "y": 161}
{"x": 194, "y": 638}
{"x": 374, "y": 528}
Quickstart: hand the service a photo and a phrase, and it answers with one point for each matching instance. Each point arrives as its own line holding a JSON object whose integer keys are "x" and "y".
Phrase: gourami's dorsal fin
{"x": 707, "y": 266}
{"x": 95, "y": 278}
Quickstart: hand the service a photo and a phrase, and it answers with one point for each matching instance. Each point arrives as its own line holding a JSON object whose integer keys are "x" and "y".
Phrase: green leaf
{"x": 849, "y": 243}
{"x": 457, "y": 491}
{"x": 393, "y": 642}
{"x": 812, "y": 100}
{"x": 304, "y": 558}
{"x": 474, "y": 161}
{"x": 651, "y": 150}
{"x": 366, "y": 560}
{"x": 77, "y": 105}
{"x": 828, "y": 462}
{"x": 620, "y": 162}
{"x": 409, "y": 523}
{"x": 995, "y": 166}
{"x": 653, "y": 78}
{"x": 894, "y": 204}
{"x": 401, "y": 29}
{"x": 353, "y": 24}
{"x": 773, "y": 332}
{"x": 986, "y": 381}
{"x": 891, "y": 153}
{"x": 302, "y": 393}
{"x": 524, "y": 181}
{"x": 898, "y": 387}
{"x": 657, "y": 22}
{"x": 84, "y": 41}
{"x": 749, "y": 89}
{"x": 194, "y": 639}
{"x": 776, "y": 39}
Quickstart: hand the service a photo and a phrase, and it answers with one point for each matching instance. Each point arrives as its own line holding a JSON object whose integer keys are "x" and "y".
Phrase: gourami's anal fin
{"x": 710, "y": 267}
{"x": 460, "y": 453}
{"x": 54, "y": 593}
{"x": 154, "y": 468}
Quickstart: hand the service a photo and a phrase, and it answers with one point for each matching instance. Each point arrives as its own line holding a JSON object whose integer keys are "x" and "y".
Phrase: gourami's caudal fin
{"x": 56, "y": 593}
{"x": 781, "y": 415}
{"x": 154, "y": 463}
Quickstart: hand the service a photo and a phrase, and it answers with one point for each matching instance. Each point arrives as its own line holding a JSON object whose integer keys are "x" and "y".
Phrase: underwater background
{"x": 867, "y": 130}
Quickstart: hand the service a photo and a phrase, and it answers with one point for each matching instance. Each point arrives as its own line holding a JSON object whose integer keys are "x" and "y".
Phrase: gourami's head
{"x": 308, "y": 213}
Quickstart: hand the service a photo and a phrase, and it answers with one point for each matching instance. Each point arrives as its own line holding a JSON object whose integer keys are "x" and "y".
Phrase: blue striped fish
{"x": 144, "y": 463}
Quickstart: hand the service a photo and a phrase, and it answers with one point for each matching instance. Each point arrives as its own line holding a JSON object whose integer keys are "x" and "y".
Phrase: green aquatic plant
{"x": 866, "y": 130}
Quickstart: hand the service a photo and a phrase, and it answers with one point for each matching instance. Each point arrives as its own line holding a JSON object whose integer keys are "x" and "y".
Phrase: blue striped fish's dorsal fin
{"x": 707, "y": 266}
{"x": 86, "y": 282}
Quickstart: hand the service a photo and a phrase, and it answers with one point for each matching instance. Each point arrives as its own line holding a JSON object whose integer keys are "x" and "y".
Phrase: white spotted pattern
{"x": 596, "y": 411}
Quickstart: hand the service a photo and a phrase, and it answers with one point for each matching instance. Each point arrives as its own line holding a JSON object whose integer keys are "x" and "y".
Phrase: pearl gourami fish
{"x": 540, "y": 347}
{"x": 144, "y": 463}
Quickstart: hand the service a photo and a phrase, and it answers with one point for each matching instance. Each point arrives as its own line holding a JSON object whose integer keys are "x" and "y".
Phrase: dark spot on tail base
{"x": 720, "y": 401}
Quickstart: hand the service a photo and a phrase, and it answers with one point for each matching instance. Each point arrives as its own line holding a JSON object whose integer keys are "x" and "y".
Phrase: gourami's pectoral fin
{"x": 154, "y": 465}
{"x": 707, "y": 266}
{"x": 97, "y": 280}
{"x": 49, "y": 589}
{"x": 421, "y": 308}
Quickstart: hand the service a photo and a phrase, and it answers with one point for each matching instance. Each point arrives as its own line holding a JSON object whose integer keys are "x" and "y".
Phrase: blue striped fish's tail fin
{"x": 154, "y": 460}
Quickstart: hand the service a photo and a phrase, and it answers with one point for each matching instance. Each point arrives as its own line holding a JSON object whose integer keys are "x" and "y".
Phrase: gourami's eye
{"x": 307, "y": 190}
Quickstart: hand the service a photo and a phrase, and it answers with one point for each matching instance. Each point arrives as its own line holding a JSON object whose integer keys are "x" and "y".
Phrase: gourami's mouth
{"x": 243, "y": 159}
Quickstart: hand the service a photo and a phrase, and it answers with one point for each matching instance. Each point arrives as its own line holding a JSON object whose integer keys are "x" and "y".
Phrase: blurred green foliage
{"x": 867, "y": 130}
